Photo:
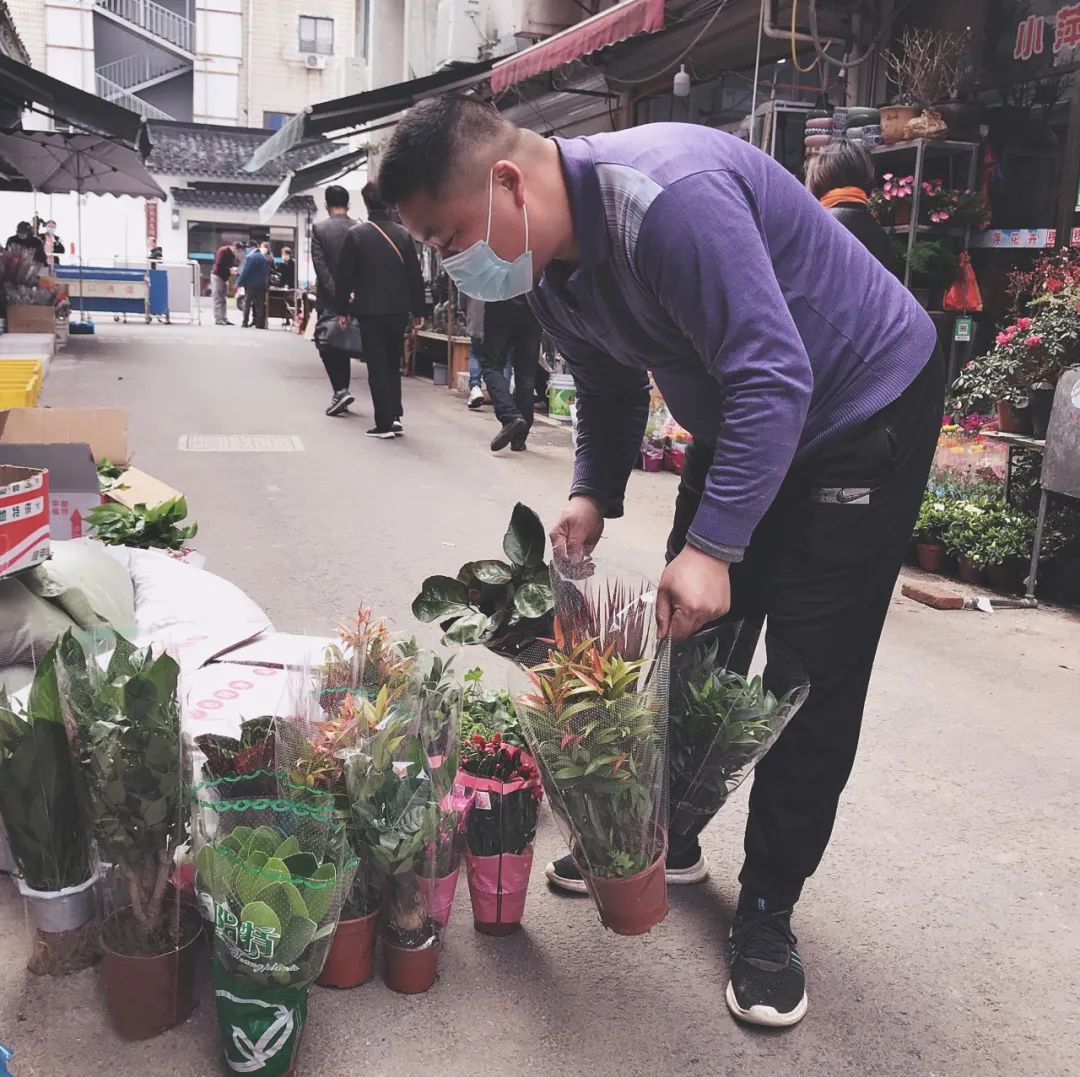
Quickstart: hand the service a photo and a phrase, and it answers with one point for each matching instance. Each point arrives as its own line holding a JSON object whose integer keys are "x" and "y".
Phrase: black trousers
{"x": 820, "y": 571}
{"x": 338, "y": 364}
{"x": 255, "y": 306}
{"x": 519, "y": 343}
{"x": 383, "y": 336}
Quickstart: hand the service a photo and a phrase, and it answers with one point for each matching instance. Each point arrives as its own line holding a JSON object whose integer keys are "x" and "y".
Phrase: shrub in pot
{"x": 273, "y": 872}
{"x": 504, "y": 785}
{"x": 504, "y": 605}
{"x": 722, "y": 723}
{"x": 126, "y": 726}
{"x": 934, "y": 517}
{"x": 40, "y": 804}
{"x": 596, "y": 722}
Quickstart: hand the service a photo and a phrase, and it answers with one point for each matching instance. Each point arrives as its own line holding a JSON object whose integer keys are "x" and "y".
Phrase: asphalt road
{"x": 940, "y": 933}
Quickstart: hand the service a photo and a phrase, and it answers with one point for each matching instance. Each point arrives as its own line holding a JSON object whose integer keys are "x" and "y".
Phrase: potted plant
{"x": 596, "y": 720}
{"x": 504, "y": 605}
{"x": 930, "y": 527}
{"x": 933, "y": 266}
{"x": 722, "y": 724}
{"x": 902, "y": 109}
{"x": 274, "y": 872}
{"x": 160, "y": 527}
{"x": 504, "y": 785}
{"x": 41, "y": 812}
{"x": 252, "y": 753}
{"x": 126, "y": 726}
{"x": 891, "y": 202}
{"x": 488, "y": 711}
{"x": 928, "y": 70}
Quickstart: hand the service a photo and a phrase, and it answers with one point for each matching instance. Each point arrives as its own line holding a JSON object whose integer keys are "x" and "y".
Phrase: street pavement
{"x": 940, "y": 933}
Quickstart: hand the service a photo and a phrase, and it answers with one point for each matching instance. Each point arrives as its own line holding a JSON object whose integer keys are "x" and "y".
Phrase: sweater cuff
{"x": 717, "y": 526}
{"x": 611, "y": 507}
{"x": 732, "y": 554}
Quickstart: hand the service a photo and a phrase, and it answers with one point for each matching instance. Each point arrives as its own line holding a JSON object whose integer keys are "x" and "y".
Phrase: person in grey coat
{"x": 327, "y": 241}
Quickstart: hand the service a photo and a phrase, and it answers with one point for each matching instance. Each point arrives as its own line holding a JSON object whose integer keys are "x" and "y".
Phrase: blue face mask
{"x": 481, "y": 274}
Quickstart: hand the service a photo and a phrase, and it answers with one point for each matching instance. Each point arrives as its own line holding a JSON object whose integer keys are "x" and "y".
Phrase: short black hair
{"x": 337, "y": 197}
{"x": 372, "y": 199}
{"x": 840, "y": 164}
{"x": 433, "y": 139}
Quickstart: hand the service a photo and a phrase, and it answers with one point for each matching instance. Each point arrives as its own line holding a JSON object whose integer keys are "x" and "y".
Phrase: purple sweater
{"x": 767, "y": 327}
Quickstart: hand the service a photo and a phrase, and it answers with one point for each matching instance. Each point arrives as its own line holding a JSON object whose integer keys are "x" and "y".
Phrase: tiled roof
{"x": 218, "y": 152}
{"x": 248, "y": 199}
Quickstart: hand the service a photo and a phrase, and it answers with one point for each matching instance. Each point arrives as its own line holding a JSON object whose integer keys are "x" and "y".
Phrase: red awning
{"x": 615, "y": 24}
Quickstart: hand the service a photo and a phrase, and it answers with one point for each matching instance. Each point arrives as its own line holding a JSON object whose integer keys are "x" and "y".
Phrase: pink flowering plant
{"x": 938, "y": 204}
{"x": 1033, "y": 348}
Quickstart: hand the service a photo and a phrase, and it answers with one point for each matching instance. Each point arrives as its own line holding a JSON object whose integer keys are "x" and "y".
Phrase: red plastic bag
{"x": 963, "y": 295}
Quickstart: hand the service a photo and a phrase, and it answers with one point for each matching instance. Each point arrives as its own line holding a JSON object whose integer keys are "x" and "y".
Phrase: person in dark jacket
{"x": 255, "y": 279}
{"x": 327, "y": 239}
{"x": 511, "y": 336}
{"x": 378, "y": 281}
{"x": 25, "y": 240}
{"x": 841, "y": 178}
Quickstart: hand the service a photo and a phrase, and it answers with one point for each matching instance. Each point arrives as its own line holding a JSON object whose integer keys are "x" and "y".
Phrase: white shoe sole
{"x": 766, "y": 1016}
{"x": 675, "y": 877}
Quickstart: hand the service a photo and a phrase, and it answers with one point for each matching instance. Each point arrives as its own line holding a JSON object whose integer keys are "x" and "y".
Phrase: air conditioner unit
{"x": 459, "y": 31}
{"x": 314, "y": 62}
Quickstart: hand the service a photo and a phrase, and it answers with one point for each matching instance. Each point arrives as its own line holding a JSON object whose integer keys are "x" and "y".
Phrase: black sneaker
{"x": 681, "y": 869}
{"x": 385, "y": 435}
{"x": 768, "y": 984}
{"x": 340, "y": 402}
{"x": 513, "y": 431}
{"x": 399, "y": 430}
{"x": 518, "y": 446}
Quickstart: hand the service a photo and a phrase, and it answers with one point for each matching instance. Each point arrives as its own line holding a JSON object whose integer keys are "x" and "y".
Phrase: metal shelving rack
{"x": 928, "y": 149}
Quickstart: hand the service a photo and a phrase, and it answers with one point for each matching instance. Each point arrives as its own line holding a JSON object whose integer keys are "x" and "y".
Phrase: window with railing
{"x": 316, "y": 35}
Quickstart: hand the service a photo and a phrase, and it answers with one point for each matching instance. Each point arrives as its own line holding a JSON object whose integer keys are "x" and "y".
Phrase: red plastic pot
{"x": 408, "y": 971}
{"x": 351, "y": 960}
{"x": 144, "y": 996}
{"x": 440, "y": 893}
{"x": 931, "y": 556}
{"x": 633, "y": 905}
{"x": 498, "y": 886}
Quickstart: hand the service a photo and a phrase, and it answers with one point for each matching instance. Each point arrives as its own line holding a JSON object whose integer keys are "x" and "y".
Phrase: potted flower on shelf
{"x": 596, "y": 721}
{"x": 126, "y": 726}
{"x": 504, "y": 784}
{"x": 891, "y": 202}
{"x": 274, "y": 871}
{"x": 934, "y": 518}
{"x": 41, "y": 812}
{"x": 722, "y": 723}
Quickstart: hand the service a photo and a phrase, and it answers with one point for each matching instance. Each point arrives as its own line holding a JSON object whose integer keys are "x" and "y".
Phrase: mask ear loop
{"x": 525, "y": 210}
{"x": 491, "y": 199}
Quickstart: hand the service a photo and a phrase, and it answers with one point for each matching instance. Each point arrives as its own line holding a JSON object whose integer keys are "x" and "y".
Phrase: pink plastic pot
{"x": 498, "y": 886}
{"x": 442, "y": 900}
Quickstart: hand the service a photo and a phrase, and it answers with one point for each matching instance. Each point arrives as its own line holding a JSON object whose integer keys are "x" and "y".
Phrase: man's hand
{"x": 694, "y": 590}
{"x": 343, "y": 321}
{"x": 578, "y": 531}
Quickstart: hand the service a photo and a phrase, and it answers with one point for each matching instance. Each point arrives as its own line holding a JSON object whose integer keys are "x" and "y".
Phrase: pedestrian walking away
{"x": 379, "y": 283}
{"x": 474, "y": 326}
{"x": 255, "y": 280}
{"x": 327, "y": 239}
{"x": 814, "y": 406}
{"x": 226, "y": 260}
{"x": 511, "y": 339}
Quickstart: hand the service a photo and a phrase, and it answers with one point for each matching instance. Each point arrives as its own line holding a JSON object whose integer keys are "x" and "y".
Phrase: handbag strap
{"x": 393, "y": 245}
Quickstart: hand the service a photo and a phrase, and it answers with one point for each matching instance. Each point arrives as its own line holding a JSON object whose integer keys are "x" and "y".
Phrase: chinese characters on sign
{"x": 1031, "y": 34}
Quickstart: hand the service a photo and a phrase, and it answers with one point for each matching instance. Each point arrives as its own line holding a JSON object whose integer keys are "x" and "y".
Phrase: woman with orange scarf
{"x": 841, "y": 177}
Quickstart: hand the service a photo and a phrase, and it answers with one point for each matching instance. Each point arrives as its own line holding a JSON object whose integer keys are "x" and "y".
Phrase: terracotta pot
{"x": 1013, "y": 420}
{"x": 144, "y": 996}
{"x": 894, "y": 120}
{"x": 498, "y": 886}
{"x": 931, "y": 556}
{"x": 440, "y": 893}
{"x": 351, "y": 960}
{"x": 1008, "y": 576}
{"x": 633, "y": 905}
{"x": 969, "y": 573}
{"x": 408, "y": 971}
{"x": 902, "y": 214}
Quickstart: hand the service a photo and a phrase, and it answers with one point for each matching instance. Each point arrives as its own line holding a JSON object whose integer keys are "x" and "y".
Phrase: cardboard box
{"x": 22, "y": 319}
{"x": 103, "y": 429}
{"x": 73, "y": 488}
{"x": 24, "y": 518}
